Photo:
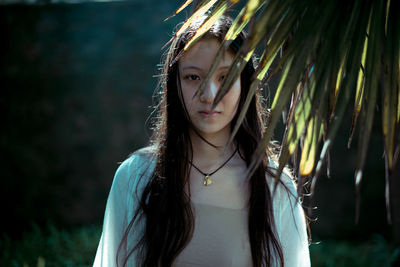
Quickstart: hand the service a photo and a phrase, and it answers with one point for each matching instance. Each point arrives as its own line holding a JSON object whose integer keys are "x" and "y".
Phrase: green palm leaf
{"x": 332, "y": 51}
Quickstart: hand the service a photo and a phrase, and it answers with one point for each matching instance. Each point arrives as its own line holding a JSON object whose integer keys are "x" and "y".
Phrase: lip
{"x": 206, "y": 113}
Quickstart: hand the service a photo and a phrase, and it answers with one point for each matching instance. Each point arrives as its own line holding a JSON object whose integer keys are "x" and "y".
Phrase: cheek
{"x": 187, "y": 96}
{"x": 236, "y": 90}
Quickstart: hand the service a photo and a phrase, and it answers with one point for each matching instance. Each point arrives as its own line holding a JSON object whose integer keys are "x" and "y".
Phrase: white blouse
{"x": 220, "y": 235}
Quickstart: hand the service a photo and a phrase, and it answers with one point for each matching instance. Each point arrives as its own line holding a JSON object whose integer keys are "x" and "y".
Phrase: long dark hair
{"x": 164, "y": 204}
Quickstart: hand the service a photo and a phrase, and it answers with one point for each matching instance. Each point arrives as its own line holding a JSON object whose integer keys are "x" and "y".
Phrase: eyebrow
{"x": 198, "y": 68}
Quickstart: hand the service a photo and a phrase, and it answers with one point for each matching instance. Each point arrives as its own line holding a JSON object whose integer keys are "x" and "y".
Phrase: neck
{"x": 203, "y": 151}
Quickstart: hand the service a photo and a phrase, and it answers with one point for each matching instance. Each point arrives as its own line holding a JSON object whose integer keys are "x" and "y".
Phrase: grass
{"x": 51, "y": 247}
{"x": 339, "y": 253}
{"x": 54, "y": 247}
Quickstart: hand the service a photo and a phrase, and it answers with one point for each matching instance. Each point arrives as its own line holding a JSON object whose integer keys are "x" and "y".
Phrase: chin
{"x": 207, "y": 130}
{"x": 210, "y": 130}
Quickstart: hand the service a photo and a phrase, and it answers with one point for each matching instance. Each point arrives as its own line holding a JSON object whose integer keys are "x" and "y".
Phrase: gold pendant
{"x": 207, "y": 181}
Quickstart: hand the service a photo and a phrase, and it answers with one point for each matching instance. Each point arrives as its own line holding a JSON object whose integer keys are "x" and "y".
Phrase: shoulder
{"x": 140, "y": 160}
{"x": 137, "y": 168}
{"x": 284, "y": 184}
{"x": 289, "y": 217}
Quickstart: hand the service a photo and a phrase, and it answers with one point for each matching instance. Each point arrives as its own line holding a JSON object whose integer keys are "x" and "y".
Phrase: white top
{"x": 220, "y": 235}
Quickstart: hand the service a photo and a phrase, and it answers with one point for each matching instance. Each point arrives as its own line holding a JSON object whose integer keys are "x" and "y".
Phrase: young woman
{"x": 184, "y": 200}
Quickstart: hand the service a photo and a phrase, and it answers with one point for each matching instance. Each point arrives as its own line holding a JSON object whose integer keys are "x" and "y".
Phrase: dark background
{"x": 76, "y": 90}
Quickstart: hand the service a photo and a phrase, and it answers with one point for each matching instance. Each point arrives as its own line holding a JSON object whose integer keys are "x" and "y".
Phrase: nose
{"x": 209, "y": 93}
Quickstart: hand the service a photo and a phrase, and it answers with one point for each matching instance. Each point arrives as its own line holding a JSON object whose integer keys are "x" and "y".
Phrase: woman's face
{"x": 193, "y": 68}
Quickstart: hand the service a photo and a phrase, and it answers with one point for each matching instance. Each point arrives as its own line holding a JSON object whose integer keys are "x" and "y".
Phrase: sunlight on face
{"x": 193, "y": 68}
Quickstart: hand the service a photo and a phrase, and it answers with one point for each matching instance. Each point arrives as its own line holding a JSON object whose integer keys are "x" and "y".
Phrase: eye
{"x": 222, "y": 77}
{"x": 192, "y": 77}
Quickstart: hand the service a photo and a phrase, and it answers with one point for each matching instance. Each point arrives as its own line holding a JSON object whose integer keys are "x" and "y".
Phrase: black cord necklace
{"x": 207, "y": 176}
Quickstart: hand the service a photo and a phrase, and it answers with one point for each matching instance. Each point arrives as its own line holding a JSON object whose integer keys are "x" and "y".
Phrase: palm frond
{"x": 182, "y": 7}
{"x": 332, "y": 51}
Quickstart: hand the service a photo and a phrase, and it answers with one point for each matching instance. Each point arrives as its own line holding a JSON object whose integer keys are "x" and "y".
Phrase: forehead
{"x": 202, "y": 54}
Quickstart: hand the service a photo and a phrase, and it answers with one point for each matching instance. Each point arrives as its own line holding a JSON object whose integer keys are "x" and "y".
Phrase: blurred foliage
{"x": 77, "y": 247}
{"x": 51, "y": 246}
{"x": 338, "y": 253}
